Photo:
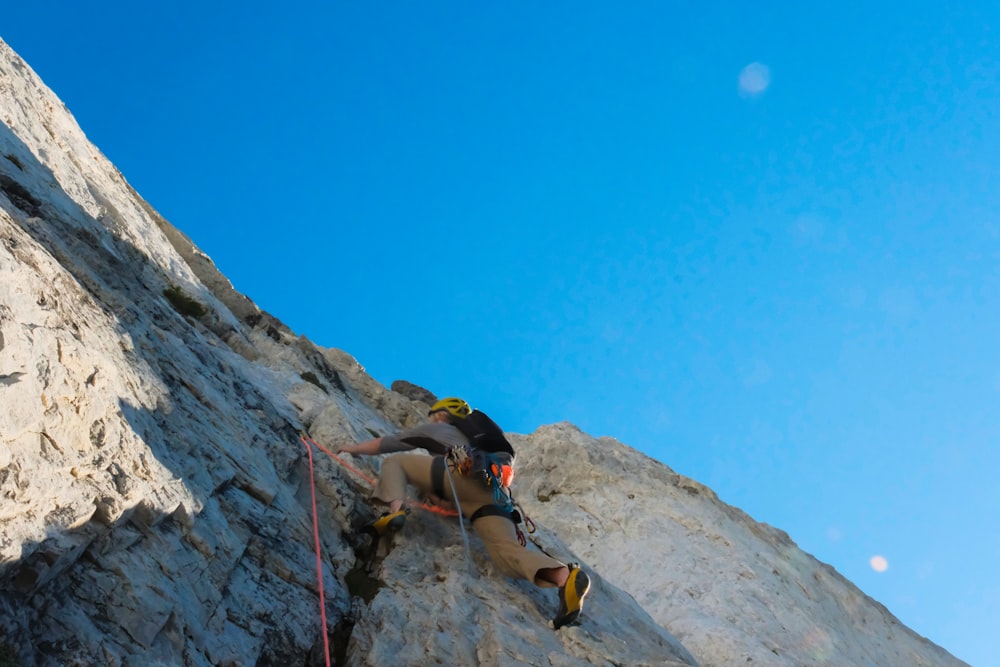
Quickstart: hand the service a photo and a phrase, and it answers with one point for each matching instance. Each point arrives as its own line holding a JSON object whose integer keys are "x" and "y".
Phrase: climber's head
{"x": 454, "y": 408}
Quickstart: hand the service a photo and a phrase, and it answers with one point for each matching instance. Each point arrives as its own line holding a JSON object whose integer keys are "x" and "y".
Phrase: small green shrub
{"x": 184, "y": 304}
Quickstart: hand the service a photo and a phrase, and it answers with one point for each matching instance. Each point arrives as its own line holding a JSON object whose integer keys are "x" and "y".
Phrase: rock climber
{"x": 447, "y": 444}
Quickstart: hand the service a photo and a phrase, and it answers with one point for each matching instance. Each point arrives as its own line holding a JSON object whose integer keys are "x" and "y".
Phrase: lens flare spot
{"x": 754, "y": 79}
{"x": 879, "y": 563}
{"x": 818, "y": 645}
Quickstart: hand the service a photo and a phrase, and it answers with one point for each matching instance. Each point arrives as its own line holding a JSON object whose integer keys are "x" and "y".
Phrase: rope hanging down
{"x": 306, "y": 442}
{"x": 319, "y": 555}
{"x": 461, "y": 522}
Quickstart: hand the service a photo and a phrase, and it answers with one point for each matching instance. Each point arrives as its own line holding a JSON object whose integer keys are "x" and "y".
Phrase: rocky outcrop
{"x": 413, "y": 392}
{"x": 733, "y": 590}
{"x": 156, "y": 500}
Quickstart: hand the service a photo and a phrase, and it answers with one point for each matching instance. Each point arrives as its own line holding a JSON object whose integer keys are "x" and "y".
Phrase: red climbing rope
{"x": 306, "y": 442}
{"x": 319, "y": 555}
{"x": 306, "y": 439}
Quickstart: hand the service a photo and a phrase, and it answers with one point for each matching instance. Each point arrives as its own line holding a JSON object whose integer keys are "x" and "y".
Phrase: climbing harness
{"x": 498, "y": 476}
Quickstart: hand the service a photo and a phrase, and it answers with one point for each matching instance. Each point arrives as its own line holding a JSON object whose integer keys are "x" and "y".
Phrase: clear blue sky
{"x": 760, "y": 244}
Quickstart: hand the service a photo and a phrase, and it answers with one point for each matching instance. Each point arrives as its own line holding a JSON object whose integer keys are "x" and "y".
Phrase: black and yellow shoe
{"x": 387, "y": 523}
{"x": 571, "y": 596}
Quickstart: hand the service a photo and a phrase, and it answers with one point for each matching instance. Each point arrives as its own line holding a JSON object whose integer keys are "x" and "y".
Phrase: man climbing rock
{"x": 475, "y": 479}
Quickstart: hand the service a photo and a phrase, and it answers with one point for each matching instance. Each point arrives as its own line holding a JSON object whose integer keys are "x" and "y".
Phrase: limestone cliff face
{"x": 733, "y": 590}
{"x": 156, "y": 499}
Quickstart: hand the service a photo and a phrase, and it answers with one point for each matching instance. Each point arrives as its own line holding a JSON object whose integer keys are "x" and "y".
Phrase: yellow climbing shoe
{"x": 571, "y": 596}
{"x": 388, "y": 522}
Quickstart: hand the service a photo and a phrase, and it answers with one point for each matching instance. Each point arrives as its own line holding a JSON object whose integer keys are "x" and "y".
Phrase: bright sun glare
{"x": 879, "y": 563}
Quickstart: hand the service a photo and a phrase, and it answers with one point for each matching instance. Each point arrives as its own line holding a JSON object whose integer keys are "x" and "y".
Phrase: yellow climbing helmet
{"x": 456, "y": 407}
